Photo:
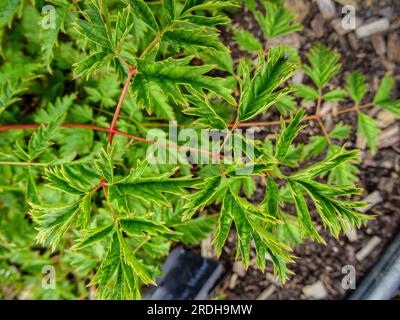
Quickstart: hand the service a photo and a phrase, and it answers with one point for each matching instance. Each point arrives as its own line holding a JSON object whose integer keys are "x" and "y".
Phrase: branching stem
{"x": 156, "y": 40}
{"x": 15, "y": 163}
{"x": 263, "y": 123}
{"x": 120, "y": 103}
{"x": 323, "y": 128}
{"x": 116, "y": 132}
{"x": 319, "y": 101}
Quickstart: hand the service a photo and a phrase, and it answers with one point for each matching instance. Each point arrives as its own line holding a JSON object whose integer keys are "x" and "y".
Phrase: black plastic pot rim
{"x": 383, "y": 280}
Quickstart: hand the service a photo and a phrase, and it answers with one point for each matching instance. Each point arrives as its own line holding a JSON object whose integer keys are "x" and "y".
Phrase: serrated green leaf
{"x": 393, "y": 106}
{"x": 294, "y": 156}
{"x": 9, "y": 92}
{"x": 92, "y": 236}
{"x": 385, "y": 89}
{"x": 306, "y": 92}
{"x": 85, "y": 208}
{"x": 243, "y": 229}
{"x": 198, "y": 5}
{"x": 81, "y": 113}
{"x": 262, "y": 91}
{"x": 54, "y": 111}
{"x": 149, "y": 189}
{"x": 331, "y": 190}
{"x": 94, "y": 27}
{"x": 20, "y": 152}
{"x": 198, "y": 200}
{"x": 307, "y": 227}
{"x": 383, "y": 96}
{"x": 194, "y": 230}
{"x": 271, "y": 199}
{"x": 60, "y": 180}
{"x": 204, "y": 21}
{"x": 286, "y": 105}
{"x": 54, "y": 220}
{"x": 139, "y": 268}
{"x": 335, "y": 214}
{"x": 249, "y": 186}
{"x": 250, "y": 224}
{"x": 224, "y": 225}
{"x": 155, "y": 101}
{"x": 144, "y": 13}
{"x": 343, "y": 174}
{"x": 141, "y": 226}
{"x": 356, "y": 86}
{"x": 8, "y": 9}
{"x": 157, "y": 247}
{"x": 192, "y": 41}
{"x": 316, "y": 145}
{"x": 116, "y": 269}
{"x": 324, "y": 166}
{"x": 247, "y": 41}
{"x": 289, "y": 233}
{"x": 123, "y": 27}
{"x": 202, "y": 109}
{"x": 108, "y": 268}
{"x": 91, "y": 63}
{"x": 287, "y": 135}
{"x": 368, "y": 128}
{"x": 335, "y": 95}
{"x": 169, "y": 75}
{"x": 222, "y": 59}
{"x": 277, "y": 22}
{"x": 49, "y": 36}
{"x": 105, "y": 166}
{"x": 41, "y": 139}
{"x": 324, "y": 64}
{"x": 169, "y": 9}
{"x": 341, "y": 131}
{"x": 32, "y": 194}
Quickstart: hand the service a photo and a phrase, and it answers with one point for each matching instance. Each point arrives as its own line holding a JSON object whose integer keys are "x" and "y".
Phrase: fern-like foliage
{"x": 100, "y": 209}
{"x": 277, "y": 21}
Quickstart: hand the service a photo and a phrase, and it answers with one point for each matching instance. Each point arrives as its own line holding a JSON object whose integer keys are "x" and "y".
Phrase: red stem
{"x": 66, "y": 125}
{"x": 119, "y": 105}
{"x": 115, "y": 131}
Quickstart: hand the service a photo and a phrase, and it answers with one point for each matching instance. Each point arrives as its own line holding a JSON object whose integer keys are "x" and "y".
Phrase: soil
{"x": 379, "y": 173}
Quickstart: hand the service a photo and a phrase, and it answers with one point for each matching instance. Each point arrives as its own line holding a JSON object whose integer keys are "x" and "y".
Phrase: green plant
{"x": 275, "y": 21}
{"x": 100, "y": 210}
